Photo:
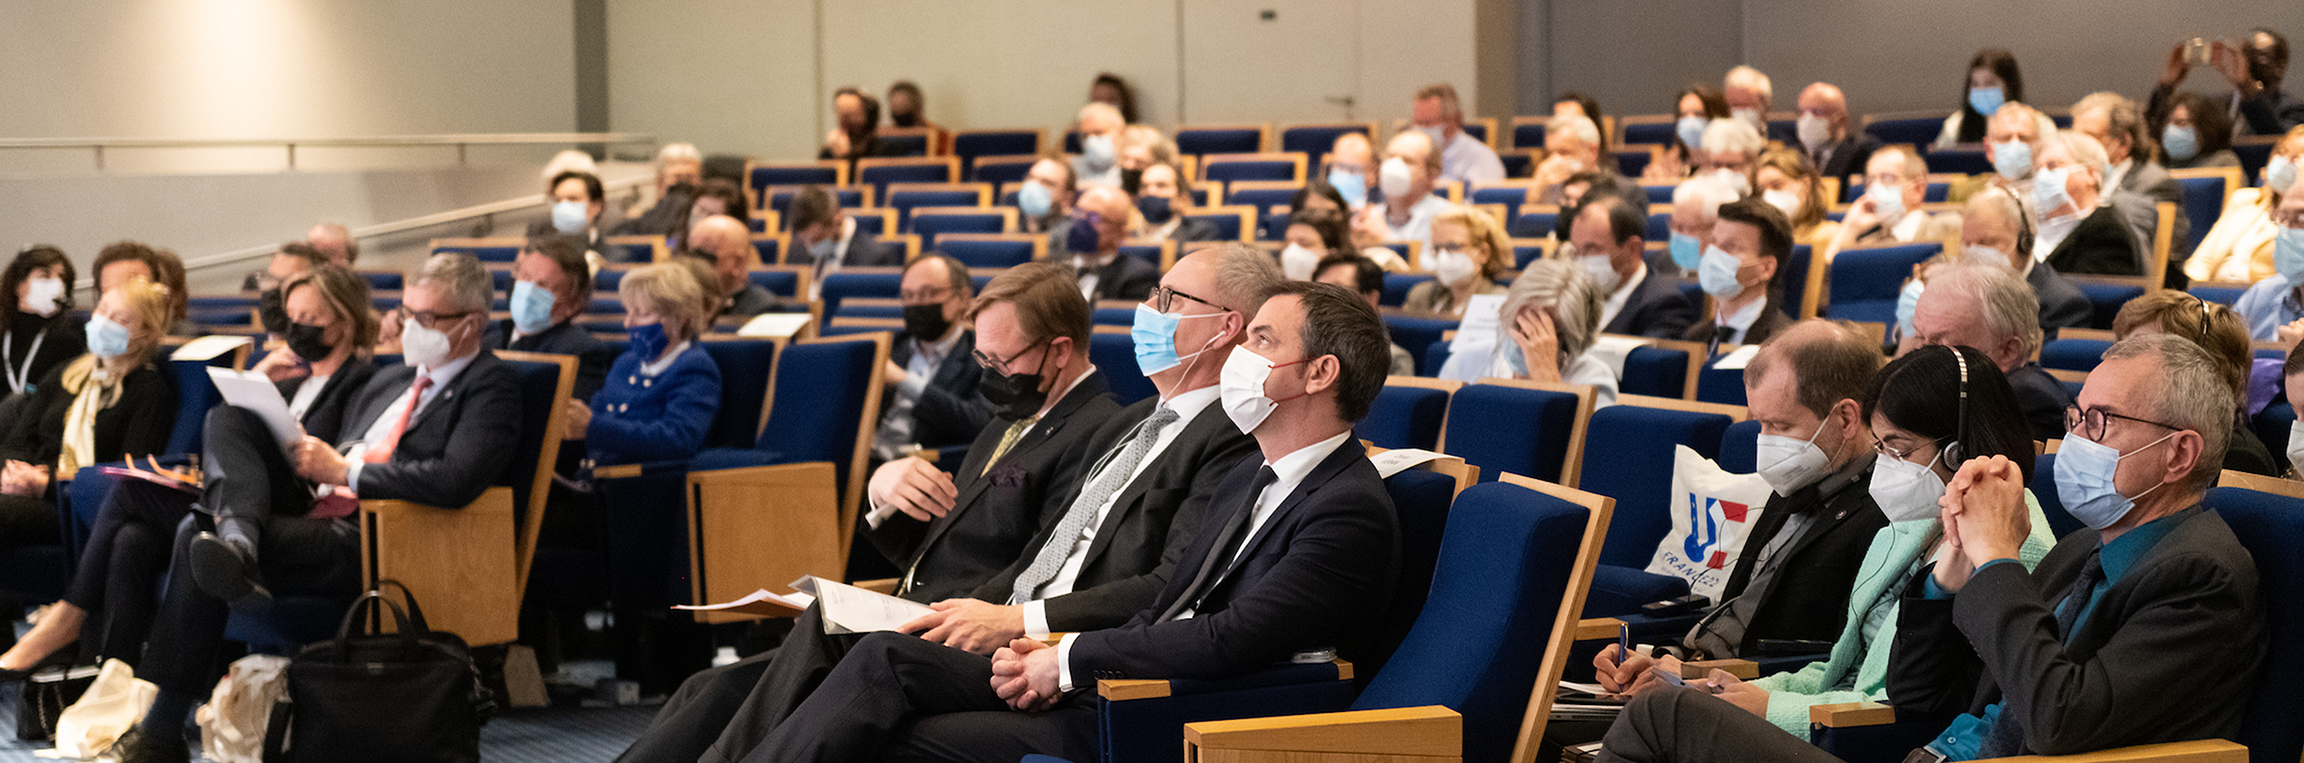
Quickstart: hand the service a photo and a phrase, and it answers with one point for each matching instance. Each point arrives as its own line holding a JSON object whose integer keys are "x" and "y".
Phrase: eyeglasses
{"x": 924, "y": 296}
{"x": 1883, "y": 448}
{"x": 2090, "y": 422}
{"x": 1001, "y": 364}
{"x": 429, "y": 319}
{"x": 1451, "y": 248}
{"x": 1164, "y": 297}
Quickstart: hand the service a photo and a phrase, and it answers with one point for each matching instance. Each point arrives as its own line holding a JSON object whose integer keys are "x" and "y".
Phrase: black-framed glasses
{"x": 1001, "y": 364}
{"x": 2090, "y": 422}
{"x": 429, "y": 319}
{"x": 1883, "y": 448}
{"x": 928, "y": 296}
{"x": 1164, "y": 297}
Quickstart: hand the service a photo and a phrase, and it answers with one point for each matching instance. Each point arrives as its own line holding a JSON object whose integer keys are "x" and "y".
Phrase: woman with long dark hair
{"x": 1991, "y": 79}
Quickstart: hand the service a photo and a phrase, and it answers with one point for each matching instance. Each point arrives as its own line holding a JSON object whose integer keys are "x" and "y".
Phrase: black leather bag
{"x": 46, "y": 694}
{"x": 410, "y": 696}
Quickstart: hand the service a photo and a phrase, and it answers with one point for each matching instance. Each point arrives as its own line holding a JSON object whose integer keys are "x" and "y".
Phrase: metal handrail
{"x": 460, "y": 140}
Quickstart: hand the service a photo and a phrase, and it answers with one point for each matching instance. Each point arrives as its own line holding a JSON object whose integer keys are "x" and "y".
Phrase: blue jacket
{"x": 638, "y": 418}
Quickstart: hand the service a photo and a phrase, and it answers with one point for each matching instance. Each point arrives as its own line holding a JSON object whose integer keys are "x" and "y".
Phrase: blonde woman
{"x": 99, "y": 408}
{"x": 2239, "y": 247}
{"x": 663, "y": 392}
{"x": 1790, "y": 184}
{"x": 1468, "y": 249}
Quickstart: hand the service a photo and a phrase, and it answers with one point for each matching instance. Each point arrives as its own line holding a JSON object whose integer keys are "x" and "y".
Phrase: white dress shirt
{"x": 382, "y": 428}
{"x": 1622, "y": 295}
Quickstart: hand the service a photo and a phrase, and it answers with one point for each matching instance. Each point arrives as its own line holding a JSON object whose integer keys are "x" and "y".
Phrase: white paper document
{"x": 760, "y": 602}
{"x": 1398, "y": 460}
{"x": 848, "y": 609}
{"x": 250, "y": 390}
{"x": 775, "y": 325}
{"x": 1736, "y": 361}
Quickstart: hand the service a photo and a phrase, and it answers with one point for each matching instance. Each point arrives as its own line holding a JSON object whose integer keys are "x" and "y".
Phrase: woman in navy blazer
{"x": 662, "y": 393}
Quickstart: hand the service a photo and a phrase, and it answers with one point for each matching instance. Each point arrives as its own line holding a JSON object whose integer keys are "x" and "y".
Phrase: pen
{"x": 1623, "y": 642}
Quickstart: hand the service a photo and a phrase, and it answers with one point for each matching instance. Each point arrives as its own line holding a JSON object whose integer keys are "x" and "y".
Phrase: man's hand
{"x": 23, "y": 479}
{"x": 1368, "y": 227}
{"x": 318, "y": 462}
{"x": 1752, "y": 698}
{"x": 1992, "y": 521}
{"x": 579, "y": 420}
{"x": 837, "y": 142}
{"x": 1025, "y": 674}
{"x": 1630, "y": 675}
{"x": 893, "y": 374}
{"x": 281, "y": 365}
{"x": 1539, "y": 344}
{"x": 1861, "y": 218}
{"x": 2227, "y": 61}
{"x": 2289, "y": 333}
{"x": 969, "y": 624}
{"x": 1556, "y": 169}
{"x": 915, "y": 487}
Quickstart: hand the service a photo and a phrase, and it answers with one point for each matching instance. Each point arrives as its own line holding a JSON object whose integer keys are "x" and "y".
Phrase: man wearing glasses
{"x": 932, "y": 400}
{"x": 431, "y": 432}
{"x": 2274, "y": 307}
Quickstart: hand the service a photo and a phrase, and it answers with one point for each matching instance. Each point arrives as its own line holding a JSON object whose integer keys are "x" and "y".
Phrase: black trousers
{"x": 1690, "y": 726}
{"x": 119, "y": 571}
{"x": 721, "y": 713}
{"x": 249, "y": 480}
{"x": 896, "y": 697}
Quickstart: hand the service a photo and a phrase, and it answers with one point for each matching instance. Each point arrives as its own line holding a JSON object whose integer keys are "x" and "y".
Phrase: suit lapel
{"x": 1042, "y": 432}
{"x": 1186, "y": 445}
{"x": 446, "y": 397}
{"x": 1329, "y": 467}
{"x": 388, "y": 385}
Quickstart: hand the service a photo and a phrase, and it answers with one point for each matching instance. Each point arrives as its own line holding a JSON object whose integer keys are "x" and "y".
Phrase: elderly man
{"x": 1895, "y": 183}
{"x": 431, "y": 432}
{"x": 1826, "y": 138}
{"x": 1571, "y": 147}
{"x": 1993, "y": 229}
{"x": 1750, "y": 242}
{"x": 2114, "y": 122}
{"x": 931, "y": 373}
{"x": 1162, "y": 202}
{"x": 2274, "y": 307}
{"x": 2011, "y": 137}
{"x": 336, "y": 241}
{"x": 1750, "y": 97}
{"x": 1351, "y": 169}
{"x": 1271, "y": 573}
{"x": 2078, "y": 232}
{"x": 1634, "y": 301}
{"x": 1805, "y": 386}
{"x": 1411, "y": 168}
{"x": 1440, "y": 116}
{"x": 728, "y": 245}
{"x": 1046, "y": 197}
{"x": 1983, "y": 304}
{"x": 950, "y": 532}
{"x": 2256, "y": 69}
{"x": 1695, "y": 208}
{"x": 2072, "y": 656}
{"x": 678, "y": 165}
{"x": 1098, "y": 165}
{"x": 1092, "y": 245}
{"x": 1730, "y": 149}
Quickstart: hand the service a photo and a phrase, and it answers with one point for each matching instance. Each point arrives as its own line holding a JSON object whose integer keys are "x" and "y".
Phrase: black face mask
{"x": 1130, "y": 180}
{"x": 926, "y": 322}
{"x": 308, "y": 341}
{"x": 905, "y": 119}
{"x": 1017, "y": 395}
{"x": 272, "y": 311}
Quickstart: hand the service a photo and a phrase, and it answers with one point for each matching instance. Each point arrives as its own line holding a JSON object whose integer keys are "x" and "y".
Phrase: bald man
{"x": 728, "y": 243}
{"x": 1352, "y": 168}
{"x": 1825, "y": 135}
{"x": 1409, "y": 205}
{"x": 1091, "y": 245}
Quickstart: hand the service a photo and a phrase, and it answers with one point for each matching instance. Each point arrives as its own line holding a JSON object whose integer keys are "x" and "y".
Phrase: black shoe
{"x": 139, "y": 747}
{"x": 227, "y": 570}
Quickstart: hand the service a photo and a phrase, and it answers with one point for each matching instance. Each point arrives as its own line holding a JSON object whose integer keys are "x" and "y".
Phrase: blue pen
{"x": 1623, "y": 642}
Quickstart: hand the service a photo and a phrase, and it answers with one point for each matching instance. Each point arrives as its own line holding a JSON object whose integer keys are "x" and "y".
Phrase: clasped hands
{"x": 1638, "y": 673}
{"x": 1985, "y": 518}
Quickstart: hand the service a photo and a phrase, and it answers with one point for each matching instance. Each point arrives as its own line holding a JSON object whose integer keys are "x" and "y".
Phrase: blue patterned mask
{"x": 649, "y": 341}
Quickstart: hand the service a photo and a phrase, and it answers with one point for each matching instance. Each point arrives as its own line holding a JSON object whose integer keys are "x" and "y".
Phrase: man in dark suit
{"x": 947, "y": 532}
{"x": 2136, "y": 180}
{"x": 431, "y": 432}
{"x": 1299, "y": 541}
{"x": 1800, "y": 559}
{"x": 2147, "y": 628}
{"x": 932, "y": 372}
{"x": 1834, "y": 147}
{"x": 726, "y": 244}
{"x": 1993, "y": 221}
{"x": 1634, "y": 300}
{"x": 2082, "y": 235}
{"x": 1746, "y": 311}
{"x": 1985, "y": 306}
{"x": 857, "y": 134}
{"x": 1104, "y": 551}
{"x": 825, "y": 237}
{"x": 1162, "y": 200}
{"x": 1104, "y": 272}
{"x": 554, "y": 286}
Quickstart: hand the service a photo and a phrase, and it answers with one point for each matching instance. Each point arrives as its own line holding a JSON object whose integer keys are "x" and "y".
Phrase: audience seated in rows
{"x": 657, "y": 211}
{"x": 1730, "y": 149}
{"x": 1352, "y": 170}
{"x": 1693, "y": 107}
{"x": 578, "y": 199}
{"x": 1695, "y": 210}
{"x": 1889, "y": 212}
{"x": 2256, "y": 68}
{"x": 727, "y": 245}
{"x": 856, "y": 134}
{"x": 2194, "y": 132}
{"x": 1834, "y": 146}
{"x": 1098, "y": 164}
{"x": 2274, "y": 306}
{"x": 1045, "y": 197}
{"x": 826, "y": 238}
{"x": 1571, "y": 147}
{"x": 122, "y": 261}
{"x": 114, "y": 402}
{"x": 1410, "y": 171}
{"x": 2080, "y": 229}
{"x": 1751, "y": 96}
{"x": 1992, "y": 81}
{"x": 1162, "y": 200}
{"x": 664, "y": 390}
{"x": 1313, "y": 235}
{"x": 1982, "y": 304}
{"x": 1788, "y": 181}
{"x": 2135, "y": 172}
{"x": 1635, "y": 299}
{"x": 1993, "y": 229}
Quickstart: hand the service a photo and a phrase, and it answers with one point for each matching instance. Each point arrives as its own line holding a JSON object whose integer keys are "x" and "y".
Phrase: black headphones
{"x": 1952, "y": 452}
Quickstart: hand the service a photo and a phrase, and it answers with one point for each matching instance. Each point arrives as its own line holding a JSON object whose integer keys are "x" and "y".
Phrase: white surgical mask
{"x": 1297, "y": 262}
{"x": 1788, "y": 464}
{"x": 2296, "y": 446}
{"x": 44, "y": 296}
{"x": 2048, "y": 191}
{"x": 1453, "y": 268}
{"x": 1395, "y": 178}
{"x": 1906, "y": 491}
{"x": 2280, "y": 174}
{"x": 1240, "y": 388}
{"x": 1728, "y": 176}
{"x": 1815, "y": 131}
{"x": 1783, "y": 200}
{"x": 1752, "y": 117}
{"x": 423, "y": 347}
{"x": 1602, "y": 271}
{"x": 1887, "y": 202}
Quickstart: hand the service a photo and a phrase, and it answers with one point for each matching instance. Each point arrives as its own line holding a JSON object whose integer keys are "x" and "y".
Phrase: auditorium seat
{"x": 1408, "y": 413}
{"x": 1196, "y": 140}
{"x": 1161, "y": 253}
{"x": 970, "y": 145}
{"x": 1628, "y": 456}
{"x": 993, "y": 250}
{"x": 494, "y": 249}
{"x": 778, "y": 199}
{"x": 997, "y": 170}
{"x": 908, "y": 142}
{"x": 1527, "y": 250}
{"x": 904, "y": 197}
{"x": 1648, "y": 130}
{"x": 1262, "y": 194}
{"x": 1632, "y": 162}
{"x": 1866, "y": 281}
{"x": 1910, "y": 128}
{"x": 879, "y": 172}
{"x": 1270, "y": 166}
{"x": 1314, "y": 140}
{"x": 2204, "y": 192}
{"x": 930, "y": 222}
{"x": 1114, "y": 354}
{"x": 1519, "y": 426}
{"x": 759, "y": 176}
{"x": 1232, "y": 223}
{"x": 1535, "y": 221}
{"x": 1966, "y": 158}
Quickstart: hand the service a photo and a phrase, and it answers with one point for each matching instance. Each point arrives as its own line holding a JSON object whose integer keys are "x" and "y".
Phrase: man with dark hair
{"x": 906, "y": 108}
{"x": 1749, "y": 244}
{"x": 825, "y": 236}
{"x": 1045, "y": 198}
{"x": 931, "y": 373}
{"x": 120, "y": 261}
{"x": 857, "y": 135}
{"x": 2256, "y": 68}
{"x": 577, "y": 199}
{"x": 1296, "y": 542}
{"x": 1800, "y": 559}
{"x": 1162, "y": 198}
{"x": 1465, "y": 159}
{"x": 1104, "y": 272}
{"x": 1607, "y": 233}
{"x": 552, "y": 286}
{"x": 1365, "y": 278}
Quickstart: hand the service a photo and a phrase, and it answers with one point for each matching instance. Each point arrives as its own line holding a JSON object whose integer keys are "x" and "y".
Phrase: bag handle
{"x": 342, "y": 645}
{"x": 415, "y": 613}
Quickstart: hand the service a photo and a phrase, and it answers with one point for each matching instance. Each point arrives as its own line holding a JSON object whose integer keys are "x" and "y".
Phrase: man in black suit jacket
{"x": 1985, "y": 306}
{"x": 2083, "y": 235}
{"x": 932, "y": 372}
{"x": 1156, "y": 467}
{"x": 2148, "y": 628}
{"x": 553, "y": 266}
{"x": 1635, "y": 300}
{"x": 825, "y": 236}
{"x": 1300, "y": 538}
{"x": 1993, "y": 220}
{"x": 433, "y": 432}
{"x": 1759, "y": 237}
{"x": 1843, "y": 150}
{"x": 1104, "y": 272}
{"x": 947, "y": 532}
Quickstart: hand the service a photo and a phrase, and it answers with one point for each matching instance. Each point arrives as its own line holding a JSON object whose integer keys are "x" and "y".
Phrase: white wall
{"x": 756, "y": 77}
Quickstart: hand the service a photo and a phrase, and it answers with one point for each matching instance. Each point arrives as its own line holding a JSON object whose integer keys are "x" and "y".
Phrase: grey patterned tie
{"x": 1114, "y": 476}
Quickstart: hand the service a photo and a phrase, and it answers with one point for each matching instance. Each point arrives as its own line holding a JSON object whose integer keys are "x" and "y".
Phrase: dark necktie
{"x": 1720, "y": 335}
{"x": 1220, "y": 554}
{"x": 2076, "y": 597}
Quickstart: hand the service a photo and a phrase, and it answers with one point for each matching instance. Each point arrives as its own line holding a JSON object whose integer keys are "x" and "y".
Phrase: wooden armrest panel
{"x": 460, "y": 563}
{"x": 2196, "y": 751}
{"x": 1851, "y": 714}
{"x": 616, "y": 471}
{"x": 1742, "y": 669}
{"x": 880, "y": 585}
{"x": 1431, "y": 730}
{"x": 1597, "y": 628}
{"x": 1122, "y": 689}
{"x": 761, "y": 526}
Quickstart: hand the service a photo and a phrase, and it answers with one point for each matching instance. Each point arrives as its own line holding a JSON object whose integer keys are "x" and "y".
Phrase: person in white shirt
{"x": 1406, "y": 177}
{"x": 1465, "y": 159}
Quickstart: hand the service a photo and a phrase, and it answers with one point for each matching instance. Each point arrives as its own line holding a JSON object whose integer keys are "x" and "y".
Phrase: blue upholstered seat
{"x": 1511, "y": 429}
{"x": 1405, "y": 417}
{"x": 978, "y": 253}
{"x": 1865, "y": 282}
{"x": 1655, "y": 372}
{"x": 1115, "y": 358}
{"x": 1628, "y": 456}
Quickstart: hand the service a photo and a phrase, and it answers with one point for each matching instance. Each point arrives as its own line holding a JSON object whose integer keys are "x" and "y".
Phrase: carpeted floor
{"x": 556, "y": 735}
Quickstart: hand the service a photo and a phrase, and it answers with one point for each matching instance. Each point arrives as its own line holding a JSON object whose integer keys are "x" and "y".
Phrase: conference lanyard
{"x": 18, "y": 377}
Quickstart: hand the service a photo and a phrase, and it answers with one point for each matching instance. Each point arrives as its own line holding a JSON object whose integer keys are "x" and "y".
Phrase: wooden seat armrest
{"x": 1597, "y": 628}
{"x": 1431, "y": 730}
{"x": 880, "y": 585}
{"x": 1697, "y": 669}
{"x": 1124, "y": 689}
{"x": 2196, "y": 751}
{"x": 617, "y": 471}
{"x": 1846, "y": 715}
{"x": 399, "y": 507}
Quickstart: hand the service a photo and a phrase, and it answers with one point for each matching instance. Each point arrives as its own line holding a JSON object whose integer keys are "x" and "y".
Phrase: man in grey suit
{"x": 2137, "y": 180}
{"x": 2145, "y": 628}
